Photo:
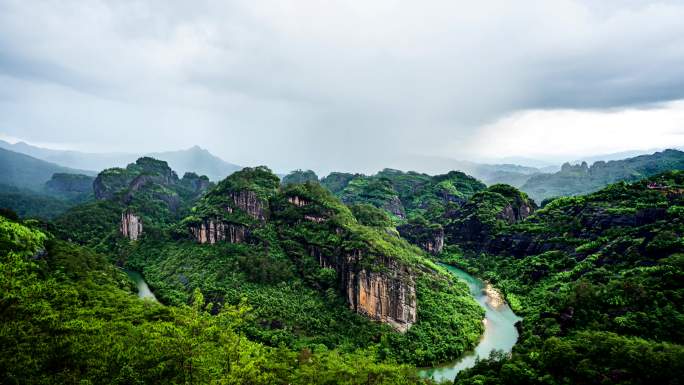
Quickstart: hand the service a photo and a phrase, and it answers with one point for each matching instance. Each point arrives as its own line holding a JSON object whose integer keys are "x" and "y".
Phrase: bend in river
{"x": 143, "y": 290}
{"x": 500, "y": 332}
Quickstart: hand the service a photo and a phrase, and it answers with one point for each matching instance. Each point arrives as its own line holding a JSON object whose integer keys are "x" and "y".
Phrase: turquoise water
{"x": 143, "y": 290}
{"x": 500, "y": 332}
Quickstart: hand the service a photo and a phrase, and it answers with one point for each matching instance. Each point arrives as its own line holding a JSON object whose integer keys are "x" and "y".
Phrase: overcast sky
{"x": 344, "y": 85}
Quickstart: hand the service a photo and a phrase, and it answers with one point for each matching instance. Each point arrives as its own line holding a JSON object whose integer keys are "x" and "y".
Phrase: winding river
{"x": 500, "y": 332}
{"x": 144, "y": 291}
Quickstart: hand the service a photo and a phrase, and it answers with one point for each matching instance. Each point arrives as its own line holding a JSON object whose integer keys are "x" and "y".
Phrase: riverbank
{"x": 499, "y": 322}
{"x": 494, "y": 297}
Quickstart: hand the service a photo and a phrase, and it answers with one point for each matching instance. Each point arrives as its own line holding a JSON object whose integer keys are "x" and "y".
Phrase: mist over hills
{"x": 24, "y": 171}
{"x": 193, "y": 159}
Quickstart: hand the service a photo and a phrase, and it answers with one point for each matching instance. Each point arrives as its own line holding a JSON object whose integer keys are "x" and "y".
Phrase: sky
{"x": 344, "y": 85}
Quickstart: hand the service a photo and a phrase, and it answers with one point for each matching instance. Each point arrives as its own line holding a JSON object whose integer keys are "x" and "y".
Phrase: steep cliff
{"x": 237, "y": 204}
{"x": 373, "y": 282}
{"x": 249, "y": 202}
{"x": 212, "y": 231}
{"x": 131, "y": 225}
{"x": 429, "y": 236}
{"x": 384, "y": 293}
{"x": 474, "y": 224}
{"x": 388, "y": 295}
{"x": 314, "y": 271}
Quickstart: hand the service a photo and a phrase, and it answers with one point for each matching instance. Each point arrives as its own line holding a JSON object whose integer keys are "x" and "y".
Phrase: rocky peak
{"x": 114, "y": 181}
{"x": 131, "y": 225}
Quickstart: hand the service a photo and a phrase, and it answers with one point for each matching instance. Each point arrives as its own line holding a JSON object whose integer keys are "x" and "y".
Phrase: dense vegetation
{"x": 582, "y": 179}
{"x": 297, "y": 302}
{"x": 599, "y": 281}
{"x": 60, "y": 193}
{"x": 30, "y": 204}
{"x": 299, "y": 176}
{"x": 68, "y": 317}
{"x": 70, "y": 187}
{"x": 405, "y": 195}
{"x": 597, "y": 278}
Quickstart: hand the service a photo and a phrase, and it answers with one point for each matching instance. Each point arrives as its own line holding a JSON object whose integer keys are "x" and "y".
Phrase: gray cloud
{"x": 344, "y": 85}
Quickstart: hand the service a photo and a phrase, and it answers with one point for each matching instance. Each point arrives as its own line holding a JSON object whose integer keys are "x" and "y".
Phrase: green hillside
{"x": 598, "y": 279}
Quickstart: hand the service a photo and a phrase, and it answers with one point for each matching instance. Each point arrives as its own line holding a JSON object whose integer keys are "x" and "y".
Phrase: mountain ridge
{"x": 192, "y": 159}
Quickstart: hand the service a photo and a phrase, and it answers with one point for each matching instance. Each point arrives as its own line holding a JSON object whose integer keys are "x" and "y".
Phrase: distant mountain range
{"x": 24, "y": 171}
{"x": 582, "y": 179}
{"x": 193, "y": 159}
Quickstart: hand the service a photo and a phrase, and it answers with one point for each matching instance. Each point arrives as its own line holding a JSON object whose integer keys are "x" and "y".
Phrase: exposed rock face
{"x": 249, "y": 202}
{"x": 171, "y": 198}
{"x": 196, "y": 183}
{"x": 213, "y": 230}
{"x": 395, "y": 207}
{"x": 387, "y": 296}
{"x": 297, "y": 201}
{"x": 429, "y": 238}
{"x": 131, "y": 225}
{"x": 109, "y": 182}
{"x": 513, "y": 214}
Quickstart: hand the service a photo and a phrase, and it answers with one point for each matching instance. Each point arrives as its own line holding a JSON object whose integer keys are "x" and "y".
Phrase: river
{"x": 500, "y": 332}
{"x": 144, "y": 291}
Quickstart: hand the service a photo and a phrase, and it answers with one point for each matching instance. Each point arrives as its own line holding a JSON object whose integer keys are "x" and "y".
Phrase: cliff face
{"x": 131, "y": 225}
{"x": 387, "y": 296}
{"x": 515, "y": 213}
{"x": 429, "y": 237}
{"x": 249, "y": 202}
{"x": 213, "y": 230}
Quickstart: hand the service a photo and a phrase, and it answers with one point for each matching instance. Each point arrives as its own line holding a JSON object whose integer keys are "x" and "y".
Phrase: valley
{"x": 347, "y": 277}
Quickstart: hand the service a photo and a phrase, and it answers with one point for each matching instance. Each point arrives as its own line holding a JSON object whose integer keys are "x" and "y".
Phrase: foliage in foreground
{"x": 68, "y": 316}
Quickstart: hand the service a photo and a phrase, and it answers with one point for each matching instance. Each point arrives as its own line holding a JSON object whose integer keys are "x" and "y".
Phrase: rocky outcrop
{"x": 297, "y": 201}
{"x": 515, "y": 213}
{"x": 195, "y": 183}
{"x": 429, "y": 237}
{"x": 249, "y": 202}
{"x": 131, "y": 225}
{"x": 213, "y": 231}
{"x": 382, "y": 297}
{"x": 395, "y": 207}
{"x": 387, "y": 295}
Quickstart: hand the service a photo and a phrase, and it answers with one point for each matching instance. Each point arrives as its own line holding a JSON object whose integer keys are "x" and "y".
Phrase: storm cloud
{"x": 323, "y": 84}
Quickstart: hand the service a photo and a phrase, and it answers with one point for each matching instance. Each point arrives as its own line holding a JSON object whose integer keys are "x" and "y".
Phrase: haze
{"x": 351, "y": 86}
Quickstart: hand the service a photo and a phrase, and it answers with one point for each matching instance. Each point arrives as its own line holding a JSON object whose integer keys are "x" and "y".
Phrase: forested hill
{"x": 583, "y": 179}
{"x": 304, "y": 282}
{"x": 599, "y": 280}
{"x": 69, "y": 316}
{"x": 315, "y": 272}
